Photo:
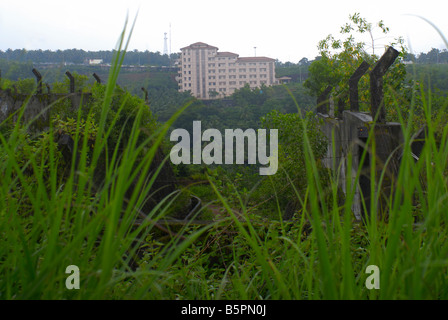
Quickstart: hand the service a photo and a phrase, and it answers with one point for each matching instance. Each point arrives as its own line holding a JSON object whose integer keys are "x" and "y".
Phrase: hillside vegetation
{"x": 224, "y": 232}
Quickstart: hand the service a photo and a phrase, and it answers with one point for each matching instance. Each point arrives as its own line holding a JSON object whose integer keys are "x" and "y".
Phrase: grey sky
{"x": 283, "y": 29}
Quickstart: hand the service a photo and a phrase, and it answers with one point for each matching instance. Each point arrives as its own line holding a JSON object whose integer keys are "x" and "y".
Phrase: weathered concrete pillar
{"x": 146, "y": 95}
{"x": 72, "y": 81}
{"x": 39, "y": 80}
{"x": 97, "y": 78}
{"x": 331, "y": 106}
{"x": 376, "y": 83}
{"x": 353, "y": 85}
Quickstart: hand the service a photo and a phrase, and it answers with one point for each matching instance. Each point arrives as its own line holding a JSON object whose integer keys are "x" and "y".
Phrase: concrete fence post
{"x": 146, "y": 94}
{"x": 72, "y": 81}
{"x": 97, "y": 78}
{"x": 376, "y": 83}
{"x": 39, "y": 80}
{"x": 353, "y": 85}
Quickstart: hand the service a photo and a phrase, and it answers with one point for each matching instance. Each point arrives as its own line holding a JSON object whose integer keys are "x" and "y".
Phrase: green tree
{"x": 341, "y": 57}
{"x": 81, "y": 83}
{"x": 291, "y": 157}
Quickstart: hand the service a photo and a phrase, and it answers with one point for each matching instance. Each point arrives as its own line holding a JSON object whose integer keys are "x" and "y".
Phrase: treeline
{"x": 433, "y": 76}
{"x": 435, "y": 56}
{"x": 243, "y": 109}
{"x": 136, "y": 57}
{"x": 78, "y": 56}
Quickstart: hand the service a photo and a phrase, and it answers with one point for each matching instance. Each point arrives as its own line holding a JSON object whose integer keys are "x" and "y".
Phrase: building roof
{"x": 227, "y": 54}
{"x": 200, "y": 45}
{"x": 255, "y": 59}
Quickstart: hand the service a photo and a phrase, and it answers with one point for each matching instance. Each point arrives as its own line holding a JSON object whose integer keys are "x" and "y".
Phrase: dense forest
{"x": 78, "y": 56}
{"x": 92, "y": 186}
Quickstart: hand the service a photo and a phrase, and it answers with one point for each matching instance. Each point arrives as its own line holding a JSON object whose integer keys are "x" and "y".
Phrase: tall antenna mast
{"x": 255, "y": 51}
{"x": 170, "y": 39}
{"x": 170, "y": 46}
{"x": 165, "y": 46}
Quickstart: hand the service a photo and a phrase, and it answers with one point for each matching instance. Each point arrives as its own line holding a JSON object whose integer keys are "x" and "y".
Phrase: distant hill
{"x": 78, "y": 56}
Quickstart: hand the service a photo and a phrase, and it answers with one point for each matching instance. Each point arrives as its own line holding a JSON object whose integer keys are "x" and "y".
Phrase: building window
{"x": 242, "y": 70}
{"x": 252, "y": 69}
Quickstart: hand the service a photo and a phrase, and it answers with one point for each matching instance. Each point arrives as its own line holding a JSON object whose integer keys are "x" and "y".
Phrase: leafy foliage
{"x": 341, "y": 57}
{"x": 290, "y": 181}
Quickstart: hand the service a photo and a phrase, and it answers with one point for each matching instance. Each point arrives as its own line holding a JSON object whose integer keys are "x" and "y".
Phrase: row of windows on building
{"x": 230, "y": 70}
{"x": 231, "y": 83}
{"x": 241, "y": 76}
{"x": 239, "y": 70}
{"x": 188, "y": 52}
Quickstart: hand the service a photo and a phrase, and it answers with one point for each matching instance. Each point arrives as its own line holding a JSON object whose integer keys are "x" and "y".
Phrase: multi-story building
{"x": 210, "y": 74}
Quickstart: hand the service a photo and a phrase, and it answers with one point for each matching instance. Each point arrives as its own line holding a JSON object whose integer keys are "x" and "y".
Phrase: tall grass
{"x": 47, "y": 226}
{"x": 322, "y": 254}
{"x": 410, "y": 247}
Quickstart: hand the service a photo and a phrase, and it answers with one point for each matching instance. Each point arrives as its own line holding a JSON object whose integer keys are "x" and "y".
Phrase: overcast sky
{"x": 282, "y": 29}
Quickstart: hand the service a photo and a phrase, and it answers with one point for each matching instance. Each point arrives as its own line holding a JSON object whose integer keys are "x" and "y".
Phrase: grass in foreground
{"x": 48, "y": 223}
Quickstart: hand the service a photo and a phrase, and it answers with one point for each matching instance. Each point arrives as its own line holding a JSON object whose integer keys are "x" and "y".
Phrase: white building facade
{"x": 210, "y": 74}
